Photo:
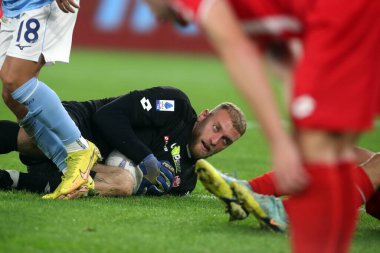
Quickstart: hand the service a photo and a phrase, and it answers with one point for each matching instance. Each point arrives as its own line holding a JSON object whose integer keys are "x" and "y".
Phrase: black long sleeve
{"x": 128, "y": 122}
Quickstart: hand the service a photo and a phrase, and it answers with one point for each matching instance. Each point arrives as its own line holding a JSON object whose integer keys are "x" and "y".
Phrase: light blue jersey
{"x": 13, "y": 8}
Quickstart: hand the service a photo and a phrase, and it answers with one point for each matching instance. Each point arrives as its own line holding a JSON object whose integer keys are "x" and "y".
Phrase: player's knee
{"x": 6, "y": 96}
{"x": 13, "y": 78}
{"x": 10, "y": 80}
{"x": 2, "y": 74}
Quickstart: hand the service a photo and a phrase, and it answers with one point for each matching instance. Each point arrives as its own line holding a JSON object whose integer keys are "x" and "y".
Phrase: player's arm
{"x": 137, "y": 110}
{"x": 115, "y": 123}
{"x": 242, "y": 60}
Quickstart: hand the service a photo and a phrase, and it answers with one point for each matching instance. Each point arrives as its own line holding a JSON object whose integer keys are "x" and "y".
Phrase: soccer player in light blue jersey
{"x": 34, "y": 33}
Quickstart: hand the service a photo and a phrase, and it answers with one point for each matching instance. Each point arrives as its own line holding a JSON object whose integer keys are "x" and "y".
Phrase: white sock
{"x": 77, "y": 145}
{"x": 15, "y": 175}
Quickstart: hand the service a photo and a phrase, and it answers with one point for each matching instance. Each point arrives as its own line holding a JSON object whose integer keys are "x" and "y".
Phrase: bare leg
{"x": 329, "y": 159}
{"x": 26, "y": 145}
{"x": 372, "y": 168}
{"x": 14, "y": 73}
{"x": 363, "y": 155}
{"x": 113, "y": 181}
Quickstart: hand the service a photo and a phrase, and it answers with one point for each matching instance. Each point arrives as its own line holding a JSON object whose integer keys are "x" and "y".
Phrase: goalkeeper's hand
{"x": 154, "y": 183}
{"x": 164, "y": 182}
{"x": 150, "y": 168}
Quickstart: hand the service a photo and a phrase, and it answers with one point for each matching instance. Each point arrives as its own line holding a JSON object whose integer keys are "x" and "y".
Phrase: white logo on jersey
{"x": 146, "y": 104}
{"x": 303, "y": 106}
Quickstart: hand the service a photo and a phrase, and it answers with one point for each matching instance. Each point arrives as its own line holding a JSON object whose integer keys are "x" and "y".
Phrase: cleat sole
{"x": 216, "y": 185}
{"x": 251, "y": 205}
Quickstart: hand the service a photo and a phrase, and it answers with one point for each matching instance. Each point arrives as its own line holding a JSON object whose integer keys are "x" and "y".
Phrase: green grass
{"x": 194, "y": 223}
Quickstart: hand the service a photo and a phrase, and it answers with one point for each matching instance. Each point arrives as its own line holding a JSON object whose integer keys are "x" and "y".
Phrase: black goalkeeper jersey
{"x": 159, "y": 120}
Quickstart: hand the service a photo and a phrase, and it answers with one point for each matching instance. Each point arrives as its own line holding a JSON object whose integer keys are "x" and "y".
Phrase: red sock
{"x": 349, "y": 202}
{"x": 373, "y": 205}
{"x": 264, "y": 184}
{"x": 364, "y": 186}
{"x": 315, "y": 215}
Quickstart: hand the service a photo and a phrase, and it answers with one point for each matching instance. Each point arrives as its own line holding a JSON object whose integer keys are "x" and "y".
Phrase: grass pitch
{"x": 194, "y": 223}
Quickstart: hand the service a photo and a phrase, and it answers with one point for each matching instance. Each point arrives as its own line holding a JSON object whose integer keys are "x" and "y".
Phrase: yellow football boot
{"x": 91, "y": 187}
{"x": 85, "y": 190}
{"x": 79, "y": 165}
{"x": 240, "y": 200}
{"x": 268, "y": 210}
{"x": 214, "y": 182}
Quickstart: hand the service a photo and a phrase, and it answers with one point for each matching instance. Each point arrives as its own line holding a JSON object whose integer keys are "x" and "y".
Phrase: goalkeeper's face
{"x": 212, "y": 133}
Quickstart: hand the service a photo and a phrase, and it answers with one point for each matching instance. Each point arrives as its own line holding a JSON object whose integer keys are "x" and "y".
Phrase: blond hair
{"x": 236, "y": 114}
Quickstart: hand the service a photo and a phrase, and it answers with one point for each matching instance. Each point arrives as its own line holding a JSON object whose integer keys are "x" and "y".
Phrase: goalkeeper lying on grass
{"x": 260, "y": 197}
{"x": 157, "y": 129}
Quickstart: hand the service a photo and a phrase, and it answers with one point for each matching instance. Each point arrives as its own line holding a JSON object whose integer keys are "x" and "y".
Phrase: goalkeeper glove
{"x": 150, "y": 168}
{"x": 158, "y": 177}
{"x": 164, "y": 181}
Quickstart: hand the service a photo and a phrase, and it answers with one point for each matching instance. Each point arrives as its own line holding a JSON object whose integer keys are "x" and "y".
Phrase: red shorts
{"x": 337, "y": 83}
